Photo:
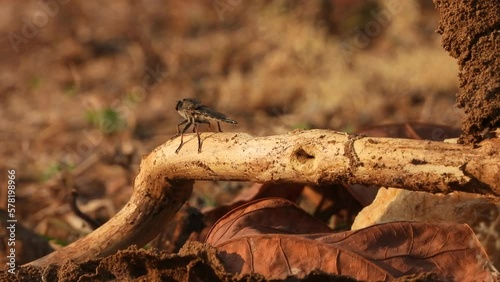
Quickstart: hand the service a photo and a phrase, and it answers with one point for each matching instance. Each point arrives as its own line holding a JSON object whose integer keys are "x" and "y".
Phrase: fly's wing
{"x": 210, "y": 113}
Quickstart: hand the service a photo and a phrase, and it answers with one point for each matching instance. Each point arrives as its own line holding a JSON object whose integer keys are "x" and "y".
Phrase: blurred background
{"x": 88, "y": 87}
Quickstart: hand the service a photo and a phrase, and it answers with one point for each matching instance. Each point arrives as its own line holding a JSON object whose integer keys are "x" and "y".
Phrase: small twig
{"x": 74, "y": 207}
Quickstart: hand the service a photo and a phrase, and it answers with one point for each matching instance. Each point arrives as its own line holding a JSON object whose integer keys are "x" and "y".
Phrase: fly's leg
{"x": 198, "y": 134}
{"x": 218, "y": 125}
{"x": 178, "y": 131}
{"x": 182, "y": 135}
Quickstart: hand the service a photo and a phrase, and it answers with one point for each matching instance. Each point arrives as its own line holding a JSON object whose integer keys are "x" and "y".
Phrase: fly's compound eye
{"x": 178, "y": 106}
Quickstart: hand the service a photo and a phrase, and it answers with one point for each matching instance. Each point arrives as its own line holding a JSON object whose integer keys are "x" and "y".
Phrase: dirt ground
{"x": 475, "y": 48}
{"x": 89, "y": 87}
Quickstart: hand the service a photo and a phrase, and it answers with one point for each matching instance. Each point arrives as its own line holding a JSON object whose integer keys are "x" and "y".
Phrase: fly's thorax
{"x": 182, "y": 113}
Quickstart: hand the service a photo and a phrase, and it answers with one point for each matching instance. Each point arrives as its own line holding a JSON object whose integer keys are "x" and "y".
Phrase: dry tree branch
{"x": 165, "y": 179}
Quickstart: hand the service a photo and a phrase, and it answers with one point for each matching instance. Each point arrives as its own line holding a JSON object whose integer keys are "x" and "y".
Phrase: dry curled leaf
{"x": 275, "y": 238}
{"x": 266, "y": 216}
{"x": 289, "y": 191}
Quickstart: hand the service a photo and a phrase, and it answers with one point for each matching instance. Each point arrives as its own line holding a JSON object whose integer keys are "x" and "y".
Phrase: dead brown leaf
{"x": 266, "y": 216}
{"x": 191, "y": 224}
{"x": 289, "y": 191}
{"x": 275, "y": 238}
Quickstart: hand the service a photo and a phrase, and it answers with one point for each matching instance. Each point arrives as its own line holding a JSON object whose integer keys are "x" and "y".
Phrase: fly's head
{"x": 181, "y": 108}
{"x": 179, "y": 105}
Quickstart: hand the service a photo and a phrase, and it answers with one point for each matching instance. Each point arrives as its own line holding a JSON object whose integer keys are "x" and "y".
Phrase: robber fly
{"x": 194, "y": 113}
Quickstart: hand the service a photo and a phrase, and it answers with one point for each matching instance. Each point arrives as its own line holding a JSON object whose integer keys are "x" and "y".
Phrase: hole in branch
{"x": 302, "y": 156}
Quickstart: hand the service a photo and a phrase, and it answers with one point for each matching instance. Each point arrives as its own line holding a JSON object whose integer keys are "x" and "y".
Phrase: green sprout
{"x": 108, "y": 120}
{"x": 35, "y": 82}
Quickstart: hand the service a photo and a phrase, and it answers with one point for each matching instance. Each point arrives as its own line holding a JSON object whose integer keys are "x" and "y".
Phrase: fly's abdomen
{"x": 228, "y": 120}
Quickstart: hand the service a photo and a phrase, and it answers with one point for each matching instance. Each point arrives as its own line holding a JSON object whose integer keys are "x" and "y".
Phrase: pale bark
{"x": 319, "y": 157}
